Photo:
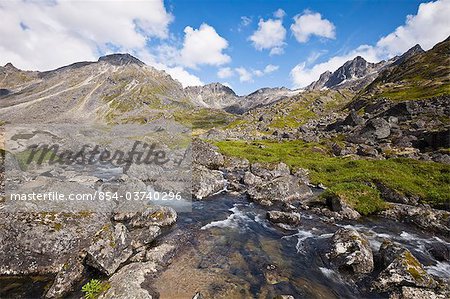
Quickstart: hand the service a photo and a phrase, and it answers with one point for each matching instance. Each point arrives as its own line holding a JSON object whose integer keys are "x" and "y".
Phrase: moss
{"x": 427, "y": 180}
{"x": 414, "y": 267}
{"x": 57, "y": 226}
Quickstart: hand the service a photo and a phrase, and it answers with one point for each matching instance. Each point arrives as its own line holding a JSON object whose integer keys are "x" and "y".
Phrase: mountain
{"x": 416, "y": 74}
{"x": 214, "y": 95}
{"x": 260, "y": 98}
{"x": 116, "y": 88}
{"x": 354, "y": 74}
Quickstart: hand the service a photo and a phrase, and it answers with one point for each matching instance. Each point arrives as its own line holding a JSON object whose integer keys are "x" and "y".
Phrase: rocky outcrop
{"x": 350, "y": 252}
{"x": 424, "y": 217}
{"x": 337, "y": 204}
{"x": 207, "y": 182}
{"x": 206, "y": 155}
{"x": 402, "y": 269}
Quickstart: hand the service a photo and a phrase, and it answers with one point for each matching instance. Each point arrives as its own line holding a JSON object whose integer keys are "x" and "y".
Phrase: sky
{"x": 246, "y": 45}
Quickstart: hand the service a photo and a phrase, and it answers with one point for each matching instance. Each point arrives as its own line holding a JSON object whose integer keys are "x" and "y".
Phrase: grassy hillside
{"x": 427, "y": 180}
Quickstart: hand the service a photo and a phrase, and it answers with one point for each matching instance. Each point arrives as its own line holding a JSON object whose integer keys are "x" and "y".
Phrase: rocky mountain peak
{"x": 219, "y": 88}
{"x": 121, "y": 59}
{"x": 417, "y": 49}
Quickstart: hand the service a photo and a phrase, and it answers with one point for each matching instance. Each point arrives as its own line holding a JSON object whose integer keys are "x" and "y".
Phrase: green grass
{"x": 427, "y": 180}
{"x": 364, "y": 199}
{"x": 94, "y": 288}
{"x": 203, "y": 118}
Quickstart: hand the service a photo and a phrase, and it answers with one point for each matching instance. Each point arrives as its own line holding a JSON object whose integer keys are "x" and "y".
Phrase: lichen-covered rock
{"x": 150, "y": 216}
{"x": 127, "y": 282}
{"x": 269, "y": 171}
{"x": 285, "y": 188}
{"x": 417, "y": 293}
{"x": 289, "y": 218}
{"x": 206, "y": 182}
{"x": 336, "y": 204}
{"x": 143, "y": 236}
{"x": 67, "y": 278}
{"x": 236, "y": 164}
{"x": 206, "y": 154}
{"x": 111, "y": 248}
{"x": 423, "y": 217}
{"x": 350, "y": 252}
{"x": 403, "y": 270}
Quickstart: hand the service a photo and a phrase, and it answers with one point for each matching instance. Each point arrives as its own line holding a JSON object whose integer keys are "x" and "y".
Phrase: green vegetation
{"x": 427, "y": 180}
{"x": 364, "y": 199}
{"x": 94, "y": 288}
{"x": 203, "y": 118}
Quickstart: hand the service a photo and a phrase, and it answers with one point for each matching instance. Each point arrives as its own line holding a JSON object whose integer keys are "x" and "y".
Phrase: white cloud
{"x": 270, "y": 35}
{"x": 429, "y": 26}
{"x": 203, "y": 46}
{"x": 279, "y": 13}
{"x": 185, "y": 78}
{"x": 227, "y": 85}
{"x": 311, "y": 23}
{"x": 58, "y": 33}
{"x": 247, "y": 75}
{"x": 225, "y": 72}
{"x": 244, "y": 75}
{"x": 270, "y": 68}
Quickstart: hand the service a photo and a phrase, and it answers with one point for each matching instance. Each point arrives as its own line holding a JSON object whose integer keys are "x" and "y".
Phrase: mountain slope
{"x": 419, "y": 75}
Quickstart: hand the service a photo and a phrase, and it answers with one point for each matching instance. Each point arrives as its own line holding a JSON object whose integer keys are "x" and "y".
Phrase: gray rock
{"x": 439, "y": 251}
{"x": 337, "y": 204}
{"x": 206, "y": 155}
{"x": 417, "y": 293}
{"x": 289, "y": 218}
{"x": 110, "y": 249}
{"x": 67, "y": 278}
{"x": 350, "y": 252}
{"x": 378, "y": 128}
{"x": 127, "y": 282}
{"x": 403, "y": 270}
{"x": 144, "y": 236}
{"x": 151, "y": 216}
{"x": 285, "y": 188}
{"x": 206, "y": 182}
{"x": 269, "y": 171}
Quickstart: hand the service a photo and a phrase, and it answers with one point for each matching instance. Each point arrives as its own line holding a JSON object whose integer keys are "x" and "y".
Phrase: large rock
{"x": 206, "y": 155}
{"x": 423, "y": 217}
{"x": 337, "y": 204}
{"x": 391, "y": 195}
{"x": 417, "y": 293}
{"x": 289, "y": 218}
{"x": 151, "y": 216}
{"x": 110, "y": 249}
{"x": 377, "y": 128}
{"x": 206, "y": 182}
{"x": 127, "y": 282}
{"x": 67, "y": 278}
{"x": 269, "y": 171}
{"x": 284, "y": 188}
{"x": 144, "y": 236}
{"x": 403, "y": 270}
{"x": 350, "y": 252}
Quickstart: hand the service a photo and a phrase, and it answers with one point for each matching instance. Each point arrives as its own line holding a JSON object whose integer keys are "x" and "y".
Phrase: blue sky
{"x": 245, "y": 44}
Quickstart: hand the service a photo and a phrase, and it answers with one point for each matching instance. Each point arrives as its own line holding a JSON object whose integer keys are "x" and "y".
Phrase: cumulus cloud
{"x": 269, "y": 35}
{"x": 45, "y": 34}
{"x": 311, "y": 23}
{"x": 247, "y": 75}
{"x": 429, "y": 26}
{"x": 225, "y": 72}
{"x": 279, "y": 13}
{"x": 203, "y": 46}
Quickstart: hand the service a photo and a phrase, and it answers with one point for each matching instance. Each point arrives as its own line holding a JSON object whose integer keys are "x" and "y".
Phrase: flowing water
{"x": 239, "y": 254}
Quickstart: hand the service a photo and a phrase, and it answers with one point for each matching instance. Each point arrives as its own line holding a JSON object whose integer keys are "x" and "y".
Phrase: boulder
{"x": 111, "y": 248}
{"x": 269, "y": 171}
{"x": 289, "y": 218}
{"x": 403, "y": 270}
{"x": 206, "y": 182}
{"x": 149, "y": 217}
{"x": 424, "y": 217}
{"x": 67, "y": 278}
{"x": 417, "y": 293}
{"x": 377, "y": 128}
{"x": 439, "y": 251}
{"x": 236, "y": 164}
{"x": 206, "y": 154}
{"x": 337, "y": 204}
{"x": 284, "y": 188}
{"x": 391, "y": 195}
{"x": 143, "y": 236}
{"x": 127, "y": 282}
{"x": 350, "y": 252}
